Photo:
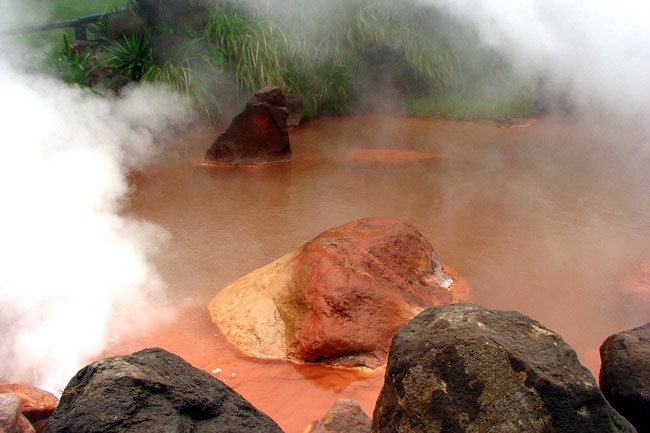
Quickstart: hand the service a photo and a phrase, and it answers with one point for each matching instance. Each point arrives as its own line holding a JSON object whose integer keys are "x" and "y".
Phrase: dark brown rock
{"x": 345, "y": 416}
{"x": 258, "y": 135}
{"x": 10, "y": 406}
{"x": 124, "y": 23}
{"x": 339, "y": 299}
{"x": 295, "y": 107}
{"x": 386, "y": 80}
{"x": 625, "y": 375}
{"x": 464, "y": 368}
{"x": 40, "y": 425}
{"x": 24, "y": 426}
{"x": 184, "y": 14}
{"x": 37, "y": 404}
{"x": 153, "y": 391}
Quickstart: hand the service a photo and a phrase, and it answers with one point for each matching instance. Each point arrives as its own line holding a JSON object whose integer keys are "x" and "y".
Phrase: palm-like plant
{"x": 131, "y": 57}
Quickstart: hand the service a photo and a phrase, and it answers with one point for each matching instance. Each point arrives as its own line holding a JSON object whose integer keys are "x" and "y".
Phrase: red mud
{"x": 389, "y": 155}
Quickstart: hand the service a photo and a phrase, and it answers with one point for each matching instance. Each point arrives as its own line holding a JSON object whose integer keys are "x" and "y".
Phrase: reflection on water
{"x": 548, "y": 220}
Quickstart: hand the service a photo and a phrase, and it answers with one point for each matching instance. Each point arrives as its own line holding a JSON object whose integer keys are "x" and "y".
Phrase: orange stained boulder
{"x": 340, "y": 298}
{"x": 38, "y": 404}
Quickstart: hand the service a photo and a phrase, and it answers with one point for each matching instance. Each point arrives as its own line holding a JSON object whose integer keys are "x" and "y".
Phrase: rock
{"x": 37, "y": 404}
{"x": 464, "y": 368}
{"x": 625, "y": 375}
{"x": 295, "y": 108}
{"x": 258, "y": 135}
{"x": 152, "y": 391}
{"x": 340, "y": 298}
{"x": 166, "y": 47}
{"x": 24, "y": 426}
{"x": 177, "y": 14}
{"x": 40, "y": 425}
{"x": 124, "y": 23}
{"x": 10, "y": 406}
{"x": 386, "y": 80}
{"x": 345, "y": 416}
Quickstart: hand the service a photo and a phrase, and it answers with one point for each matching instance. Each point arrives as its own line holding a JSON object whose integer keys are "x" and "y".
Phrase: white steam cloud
{"x": 596, "y": 52}
{"x": 71, "y": 267}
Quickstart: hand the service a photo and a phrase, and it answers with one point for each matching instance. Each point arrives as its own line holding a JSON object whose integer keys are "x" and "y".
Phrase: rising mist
{"x": 71, "y": 267}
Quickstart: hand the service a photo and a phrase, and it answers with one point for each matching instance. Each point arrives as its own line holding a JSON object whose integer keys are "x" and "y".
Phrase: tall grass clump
{"x": 333, "y": 54}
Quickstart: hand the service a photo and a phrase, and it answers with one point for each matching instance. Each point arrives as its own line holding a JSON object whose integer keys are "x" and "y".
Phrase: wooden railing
{"x": 79, "y": 25}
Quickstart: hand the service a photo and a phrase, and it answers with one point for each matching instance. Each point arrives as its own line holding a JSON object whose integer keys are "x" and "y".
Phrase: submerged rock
{"x": 625, "y": 375}
{"x": 340, "y": 298}
{"x": 153, "y": 391}
{"x": 258, "y": 135}
{"x": 345, "y": 416}
{"x": 464, "y": 368}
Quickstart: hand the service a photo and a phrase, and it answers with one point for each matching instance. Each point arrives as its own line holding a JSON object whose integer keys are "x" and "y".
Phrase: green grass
{"x": 473, "y": 106}
{"x": 318, "y": 53}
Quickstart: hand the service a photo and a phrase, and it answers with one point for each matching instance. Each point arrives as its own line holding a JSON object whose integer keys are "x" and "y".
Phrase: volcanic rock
{"x": 295, "y": 109}
{"x": 124, "y": 23}
{"x": 463, "y": 368}
{"x": 340, "y": 298}
{"x": 24, "y": 426}
{"x": 258, "y": 135}
{"x": 37, "y": 404}
{"x": 625, "y": 375}
{"x": 152, "y": 391}
{"x": 180, "y": 14}
{"x": 345, "y": 416}
{"x": 386, "y": 80}
{"x": 10, "y": 405}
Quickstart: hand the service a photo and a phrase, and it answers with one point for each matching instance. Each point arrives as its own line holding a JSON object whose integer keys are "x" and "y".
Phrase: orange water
{"x": 548, "y": 219}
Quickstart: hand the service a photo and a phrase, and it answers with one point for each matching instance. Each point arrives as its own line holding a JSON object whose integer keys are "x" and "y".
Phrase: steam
{"x": 596, "y": 54}
{"x": 71, "y": 267}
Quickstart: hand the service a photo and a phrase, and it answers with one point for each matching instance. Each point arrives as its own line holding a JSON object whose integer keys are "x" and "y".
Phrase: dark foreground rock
{"x": 340, "y": 298}
{"x": 625, "y": 375}
{"x": 345, "y": 416}
{"x": 258, "y": 135}
{"x": 463, "y": 368}
{"x": 153, "y": 391}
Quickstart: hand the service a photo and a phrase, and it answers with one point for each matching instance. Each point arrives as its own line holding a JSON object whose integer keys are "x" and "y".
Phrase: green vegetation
{"x": 73, "y": 67}
{"x": 336, "y": 55}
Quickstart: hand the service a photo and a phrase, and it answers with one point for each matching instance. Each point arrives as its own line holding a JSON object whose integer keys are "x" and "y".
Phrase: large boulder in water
{"x": 464, "y": 368}
{"x": 153, "y": 391}
{"x": 258, "y": 135}
{"x": 340, "y": 298}
{"x": 625, "y": 375}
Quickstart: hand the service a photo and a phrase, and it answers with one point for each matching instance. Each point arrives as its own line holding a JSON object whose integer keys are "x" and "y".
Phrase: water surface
{"x": 551, "y": 220}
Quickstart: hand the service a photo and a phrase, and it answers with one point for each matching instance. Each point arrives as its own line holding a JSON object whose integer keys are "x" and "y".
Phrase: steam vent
{"x": 256, "y": 136}
{"x": 340, "y": 298}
